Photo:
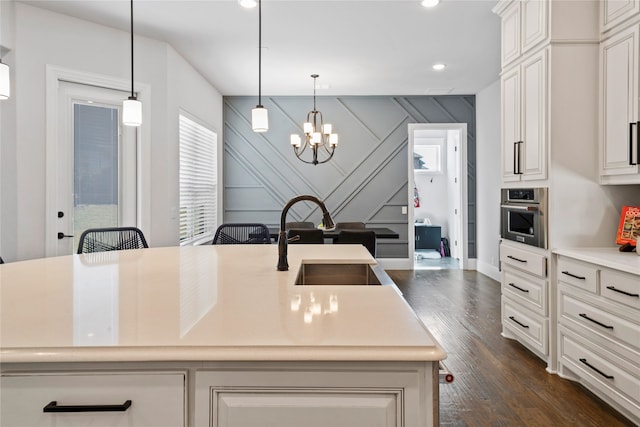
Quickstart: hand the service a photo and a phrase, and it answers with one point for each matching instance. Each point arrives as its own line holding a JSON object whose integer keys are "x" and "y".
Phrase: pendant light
{"x": 259, "y": 115}
{"x": 5, "y": 82}
{"x": 132, "y": 108}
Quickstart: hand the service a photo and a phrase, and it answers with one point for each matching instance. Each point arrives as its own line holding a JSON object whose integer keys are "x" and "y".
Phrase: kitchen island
{"x": 210, "y": 335}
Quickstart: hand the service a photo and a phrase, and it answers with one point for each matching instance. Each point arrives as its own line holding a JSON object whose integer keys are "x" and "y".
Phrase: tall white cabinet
{"x": 619, "y": 93}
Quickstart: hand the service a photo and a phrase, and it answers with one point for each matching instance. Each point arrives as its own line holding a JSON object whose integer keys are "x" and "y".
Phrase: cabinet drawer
{"x": 157, "y": 399}
{"x": 528, "y": 290}
{"x": 530, "y": 327}
{"x": 524, "y": 260}
{"x": 576, "y": 273}
{"x": 599, "y": 320}
{"x": 620, "y": 287}
{"x": 600, "y": 368}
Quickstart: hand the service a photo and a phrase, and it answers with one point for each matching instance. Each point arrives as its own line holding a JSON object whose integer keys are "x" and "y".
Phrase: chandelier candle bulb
{"x": 308, "y": 128}
{"x": 327, "y": 128}
{"x": 296, "y": 140}
{"x": 316, "y": 137}
{"x": 333, "y": 139}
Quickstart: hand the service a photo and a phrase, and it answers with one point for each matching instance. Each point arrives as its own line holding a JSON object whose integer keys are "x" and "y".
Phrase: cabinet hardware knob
{"x": 584, "y": 361}
{"x": 54, "y": 407}
{"x": 584, "y": 316}
{"x": 620, "y": 291}
{"x": 519, "y": 323}
{"x": 574, "y": 276}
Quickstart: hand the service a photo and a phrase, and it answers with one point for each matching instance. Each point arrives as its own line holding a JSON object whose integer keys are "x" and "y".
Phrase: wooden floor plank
{"x": 498, "y": 382}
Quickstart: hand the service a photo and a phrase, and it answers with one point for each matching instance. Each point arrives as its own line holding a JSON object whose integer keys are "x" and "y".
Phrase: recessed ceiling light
{"x": 430, "y": 3}
{"x": 248, "y": 3}
{"x": 439, "y": 67}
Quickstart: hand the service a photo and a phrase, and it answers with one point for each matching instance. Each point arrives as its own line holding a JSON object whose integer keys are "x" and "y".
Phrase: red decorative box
{"x": 629, "y": 228}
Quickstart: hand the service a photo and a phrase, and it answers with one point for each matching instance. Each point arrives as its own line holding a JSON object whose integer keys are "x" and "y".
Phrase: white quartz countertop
{"x": 607, "y": 257}
{"x": 201, "y": 303}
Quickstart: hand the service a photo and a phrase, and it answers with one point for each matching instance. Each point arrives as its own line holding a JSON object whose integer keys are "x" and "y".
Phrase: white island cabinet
{"x": 209, "y": 336}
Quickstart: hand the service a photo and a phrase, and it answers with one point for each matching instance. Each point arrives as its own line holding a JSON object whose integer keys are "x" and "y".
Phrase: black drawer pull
{"x": 516, "y": 259}
{"x": 584, "y": 316}
{"x": 609, "y": 377}
{"x": 54, "y": 407}
{"x": 574, "y": 276}
{"x": 519, "y": 323}
{"x": 620, "y": 291}
{"x": 519, "y": 288}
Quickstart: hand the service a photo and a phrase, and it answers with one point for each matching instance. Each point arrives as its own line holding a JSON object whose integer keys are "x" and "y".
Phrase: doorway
{"x": 95, "y": 160}
{"x": 437, "y": 214}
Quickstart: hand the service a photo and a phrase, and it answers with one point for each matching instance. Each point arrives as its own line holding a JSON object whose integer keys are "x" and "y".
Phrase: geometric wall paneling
{"x": 366, "y": 180}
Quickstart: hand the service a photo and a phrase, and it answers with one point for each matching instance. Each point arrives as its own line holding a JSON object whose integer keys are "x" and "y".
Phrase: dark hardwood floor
{"x": 498, "y": 382}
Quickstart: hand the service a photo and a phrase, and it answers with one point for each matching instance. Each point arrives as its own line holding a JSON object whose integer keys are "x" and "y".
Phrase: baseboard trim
{"x": 489, "y": 270}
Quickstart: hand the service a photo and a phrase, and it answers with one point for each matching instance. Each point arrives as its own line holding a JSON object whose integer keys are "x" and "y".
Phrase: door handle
{"x": 61, "y": 235}
{"x": 631, "y": 125}
{"x": 519, "y": 150}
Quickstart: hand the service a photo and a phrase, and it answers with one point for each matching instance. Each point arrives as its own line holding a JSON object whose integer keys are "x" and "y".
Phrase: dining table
{"x": 381, "y": 232}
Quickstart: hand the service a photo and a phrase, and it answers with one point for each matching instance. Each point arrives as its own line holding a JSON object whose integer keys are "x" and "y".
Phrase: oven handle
{"x": 520, "y": 208}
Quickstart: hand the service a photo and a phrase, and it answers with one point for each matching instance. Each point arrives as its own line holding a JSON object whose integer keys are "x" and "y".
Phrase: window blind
{"x": 198, "y": 182}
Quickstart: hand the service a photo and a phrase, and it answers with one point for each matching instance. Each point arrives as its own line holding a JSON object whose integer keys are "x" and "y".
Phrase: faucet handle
{"x": 294, "y": 238}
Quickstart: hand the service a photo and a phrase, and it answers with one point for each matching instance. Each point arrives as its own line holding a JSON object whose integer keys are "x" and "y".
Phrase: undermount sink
{"x": 342, "y": 274}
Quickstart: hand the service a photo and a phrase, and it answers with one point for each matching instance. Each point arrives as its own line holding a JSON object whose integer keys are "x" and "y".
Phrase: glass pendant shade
{"x": 5, "y": 82}
{"x": 132, "y": 112}
{"x": 260, "y": 119}
{"x": 333, "y": 139}
{"x": 327, "y": 128}
{"x": 307, "y": 128}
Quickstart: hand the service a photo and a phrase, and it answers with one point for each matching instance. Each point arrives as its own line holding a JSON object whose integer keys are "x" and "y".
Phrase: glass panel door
{"x": 95, "y": 172}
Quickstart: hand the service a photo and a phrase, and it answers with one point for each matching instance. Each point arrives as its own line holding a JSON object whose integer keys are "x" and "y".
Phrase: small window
{"x": 427, "y": 158}
{"x": 198, "y": 182}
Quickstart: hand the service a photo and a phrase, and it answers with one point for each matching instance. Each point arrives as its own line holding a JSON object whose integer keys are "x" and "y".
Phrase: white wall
{"x": 44, "y": 38}
{"x": 488, "y": 179}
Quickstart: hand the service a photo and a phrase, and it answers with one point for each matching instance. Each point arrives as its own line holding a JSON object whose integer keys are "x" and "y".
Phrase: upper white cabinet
{"x": 619, "y": 126}
{"x": 523, "y": 105}
{"x": 615, "y": 12}
{"x": 524, "y": 25}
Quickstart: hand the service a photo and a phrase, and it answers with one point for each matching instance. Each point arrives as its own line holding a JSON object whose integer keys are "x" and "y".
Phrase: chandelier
{"x": 318, "y": 136}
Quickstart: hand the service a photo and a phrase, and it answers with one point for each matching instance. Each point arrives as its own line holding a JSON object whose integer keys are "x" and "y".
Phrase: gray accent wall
{"x": 365, "y": 181}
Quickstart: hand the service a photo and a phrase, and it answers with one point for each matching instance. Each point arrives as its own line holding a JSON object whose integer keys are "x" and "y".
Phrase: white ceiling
{"x": 357, "y": 47}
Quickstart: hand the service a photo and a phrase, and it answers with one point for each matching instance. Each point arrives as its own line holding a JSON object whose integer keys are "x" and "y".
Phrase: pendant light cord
{"x": 132, "y": 95}
{"x": 259, "y": 53}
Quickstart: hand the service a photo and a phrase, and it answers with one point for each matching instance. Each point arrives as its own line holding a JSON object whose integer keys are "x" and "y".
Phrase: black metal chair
{"x": 242, "y": 234}
{"x": 363, "y": 237}
{"x": 306, "y": 235}
{"x": 1, "y": 260}
{"x": 111, "y": 239}
{"x": 303, "y": 224}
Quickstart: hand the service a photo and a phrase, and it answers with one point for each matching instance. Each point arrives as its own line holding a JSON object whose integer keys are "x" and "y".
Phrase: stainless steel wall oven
{"x": 523, "y": 215}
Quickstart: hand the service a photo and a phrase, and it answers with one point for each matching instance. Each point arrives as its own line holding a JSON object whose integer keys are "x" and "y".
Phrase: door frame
{"x": 54, "y": 75}
{"x": 463, "y": 197}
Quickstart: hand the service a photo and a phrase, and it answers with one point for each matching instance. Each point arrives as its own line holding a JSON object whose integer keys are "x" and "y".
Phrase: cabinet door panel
{"x": 534, "y": 23}
{"x": 510, "y": 123}
{"x": 619, "y": 70}
{"x": 336, "y": 408}
{"x": 511, "y": 34}
{"x": 613, "y": 12}
{"x": 533, "y": 122}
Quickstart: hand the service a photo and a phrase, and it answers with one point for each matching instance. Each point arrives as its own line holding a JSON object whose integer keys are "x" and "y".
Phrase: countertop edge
{"x": 609, "y": 257}
{"x": 219, "y": 354}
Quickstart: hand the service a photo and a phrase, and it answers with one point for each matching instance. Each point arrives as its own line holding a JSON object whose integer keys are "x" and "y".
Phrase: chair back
{"x": 304, "y": 224}
{"x": 242, "y": 234}
{"x": 111, "y": 239}
{"x": 363, "y": 237}
{"x": 1, "y": 260}
{"x": 350, "y": 225}
{"x": 306, "y": 235}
